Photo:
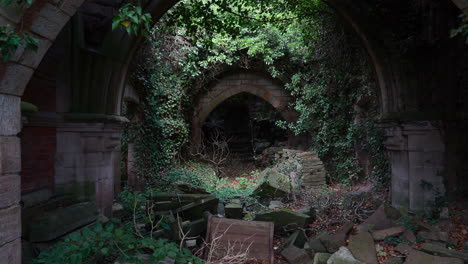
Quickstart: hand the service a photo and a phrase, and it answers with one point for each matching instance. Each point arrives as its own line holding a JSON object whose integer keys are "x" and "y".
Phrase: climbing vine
{"x": 302, "y": 44}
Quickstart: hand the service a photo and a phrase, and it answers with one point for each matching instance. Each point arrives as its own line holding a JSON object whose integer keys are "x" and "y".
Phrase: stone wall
{"x": 38, "y": 148}
{"x": 234, "y": 83}
{"x": 88, "y": 161}
{"x": 10, "y": 186}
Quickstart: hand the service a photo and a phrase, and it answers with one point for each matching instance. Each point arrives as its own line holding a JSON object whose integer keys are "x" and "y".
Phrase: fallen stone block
{"x": 234, "y": 210}
{"x": 389, "y": 232}
{"x": 394, "y": 260}
{"x": 444, "y": 252}
{"x": 404, "y": 249}
{"x": 321, "y": 258}
{"x": 54, "y": 224}
{"x": 343, "y": 256}
{"x": 310, "y": 211}
{"x": 382, "y": 218}
{"x": 409, "y": 236}
{"x": 297, "y": 239}
{"x": 436, "y": 236}
{"x": 316, "y": 246}
{"x": 295, "y": 255}
{"x": 333, "y": 242}
{"x": 194, "y": 210}
{"x": 284, "y": 218}
{"x": 275, "y": 205}
{"x": 189, "y": 188}
{"x": 272, "y": 184}
{"x": 363, "y": 248}
{"x": 418, "y": 257}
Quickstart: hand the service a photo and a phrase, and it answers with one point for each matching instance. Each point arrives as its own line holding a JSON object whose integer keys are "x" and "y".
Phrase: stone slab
{"x": 388, "y": 232}
{"x": 295, "y": 255}
{"x": 363, "y": 248}
{"x": 10, "y": 189}
{"x": 10, "y": 116}
{"x": 10, "y": 253}
{"x": 284, "y": 218}
{"x": 10, "y": 223}
{"x": 54, "y": 224}
{"x": 10, "y": 155}
{"x": 418, "y": 257}
{"x": 444, "y": 252}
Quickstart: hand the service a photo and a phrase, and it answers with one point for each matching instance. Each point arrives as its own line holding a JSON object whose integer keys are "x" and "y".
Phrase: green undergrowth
{"x": 111, "y": 242}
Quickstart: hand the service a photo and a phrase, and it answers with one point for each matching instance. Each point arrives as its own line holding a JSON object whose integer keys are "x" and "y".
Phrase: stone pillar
{"x": 10, "y": 166}
{"x": 88, "y": 161}
{"x": 416, "y": 154}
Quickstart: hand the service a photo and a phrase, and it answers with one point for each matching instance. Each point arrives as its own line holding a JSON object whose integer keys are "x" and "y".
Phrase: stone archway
{"x": 235, "y": 83}
{"x": 398, "y": 79}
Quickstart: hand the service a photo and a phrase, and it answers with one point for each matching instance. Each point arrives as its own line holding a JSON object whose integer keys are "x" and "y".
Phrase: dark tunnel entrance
{"x": 247, "y": 124}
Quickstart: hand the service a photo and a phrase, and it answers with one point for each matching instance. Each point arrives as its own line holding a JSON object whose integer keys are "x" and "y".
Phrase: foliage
{"x": 463, "y": 28}
{"x": 110, "y": 242}
{"x": 300, "y": 42}
{"x": 133, "y": 20}
{"x": 10, "y": 41}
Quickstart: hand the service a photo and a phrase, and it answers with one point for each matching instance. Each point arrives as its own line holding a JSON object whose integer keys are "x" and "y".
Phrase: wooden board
{"x": 240, "y": 235}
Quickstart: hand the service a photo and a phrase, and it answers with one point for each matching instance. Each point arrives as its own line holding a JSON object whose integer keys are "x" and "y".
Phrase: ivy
{"x": 133, "y": 20}
{"x": 10, "y": 41}
{"x": 316, "y": 58}
{"x": 111, "y": 242}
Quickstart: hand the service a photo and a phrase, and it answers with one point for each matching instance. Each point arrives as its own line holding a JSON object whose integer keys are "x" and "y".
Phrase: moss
{"x": 28, "y": 108}
{"x": 89, "y": 117}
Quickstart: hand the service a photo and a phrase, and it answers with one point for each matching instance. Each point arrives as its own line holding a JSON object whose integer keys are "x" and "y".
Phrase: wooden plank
{"x": 240, "y": 235}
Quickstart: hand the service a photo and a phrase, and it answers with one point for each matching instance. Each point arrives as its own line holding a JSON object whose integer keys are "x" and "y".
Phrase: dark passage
{"x": 247, "y": 123}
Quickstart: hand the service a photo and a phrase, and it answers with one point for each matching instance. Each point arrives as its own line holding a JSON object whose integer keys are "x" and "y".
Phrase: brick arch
{"x": 232, "y": 84}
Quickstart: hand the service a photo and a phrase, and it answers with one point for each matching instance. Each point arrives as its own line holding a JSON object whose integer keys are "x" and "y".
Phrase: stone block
{"x": 234, "y": 210}
{"x": 296, "y": 255}
{"x": 444, "y": 252}
{"x": 36, "y": 197}
{"x": 272, "y": 184}
{"x": 343, "y": 256}
{"x": 70, "y": 6}
{"x": 31, "y": 58}
{"x": 14, "y": 80}
{"x": 297, "y": 239}
{"x": 417, "y": 257}
{"x": 321, "y": 258}
{"x": 10, "y": 253}
{"x": 10, "y": 116}
{"x": 333, "y": 242}
{"x": 379, "y": 220}
{"x": 433, "y": 235}
{"x": 54, "y": 224}
{"x": 12, "y": 12}
{"x": 49, "y": 21}
{"x": 10, "y": 155}
{"x": 10, "y": 189}
{"x": 10, "y": 223}
{"x": 316, "y": 245}
{"x": 284, "y": 218}
{"x": 363, "y": 248}
{"x": 389, "y": 232}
